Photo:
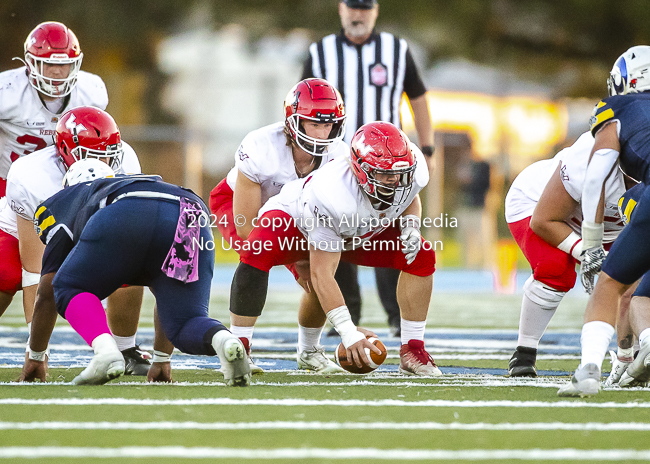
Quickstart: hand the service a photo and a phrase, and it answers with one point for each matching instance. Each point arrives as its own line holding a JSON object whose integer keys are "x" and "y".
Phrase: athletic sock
{"x": 308, "y": 338}
{"x": 86, "y": 315}
{"x": 124, "y": 343}
{"x": 595, "y": 339}
{"x": 243, "y": 332}
{"x": 412, "y": 330}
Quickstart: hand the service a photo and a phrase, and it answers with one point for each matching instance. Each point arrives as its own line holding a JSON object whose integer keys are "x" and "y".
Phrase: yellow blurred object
{"x": 505, "y": 274}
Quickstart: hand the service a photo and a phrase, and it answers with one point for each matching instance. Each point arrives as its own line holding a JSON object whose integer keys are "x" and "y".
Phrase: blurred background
{"x": 510, "y": 82}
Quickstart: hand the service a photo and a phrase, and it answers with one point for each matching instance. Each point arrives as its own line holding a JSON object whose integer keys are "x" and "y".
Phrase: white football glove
{"x": 411, "y": 237}
{"x": 592, "y": 260}
{"x": 619, "y": 366}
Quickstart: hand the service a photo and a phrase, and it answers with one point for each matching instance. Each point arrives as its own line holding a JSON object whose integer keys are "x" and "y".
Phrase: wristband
{"x": 427, "y": 150}
{"x": 342, "y": 322}
{"x": 161, "y": 357}
{"x": 410, "y": 220}
{"x": 37, "y": 355}
{"x": 592, "y": 234}
{"x": 572, "y": 245}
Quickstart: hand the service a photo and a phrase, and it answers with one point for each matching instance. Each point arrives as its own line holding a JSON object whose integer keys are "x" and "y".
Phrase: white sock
{"x": 243, "y": 332}
{"x": 595, "y": 339}
{"x": 412, "y": 330}
{"x": 308, "y": 338}
{"x": 538, "y": 305}
{"x": 124, "y": 343}
{"x": 644, "y": 335}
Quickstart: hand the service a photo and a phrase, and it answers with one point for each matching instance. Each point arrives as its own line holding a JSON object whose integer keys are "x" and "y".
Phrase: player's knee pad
{"x": 248, "y": 291}
{"x": 542, "y": 295}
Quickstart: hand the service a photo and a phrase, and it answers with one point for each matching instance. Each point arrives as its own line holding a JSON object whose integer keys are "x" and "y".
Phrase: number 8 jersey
{"x": 26, "y": 124}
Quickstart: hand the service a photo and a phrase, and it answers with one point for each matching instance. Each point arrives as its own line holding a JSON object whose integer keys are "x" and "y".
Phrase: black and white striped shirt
{"x": 371, "y": 77}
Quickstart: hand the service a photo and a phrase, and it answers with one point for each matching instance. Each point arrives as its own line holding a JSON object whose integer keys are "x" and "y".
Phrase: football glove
{"x": 411, "y": 237}
{"x": 591, "y": 262}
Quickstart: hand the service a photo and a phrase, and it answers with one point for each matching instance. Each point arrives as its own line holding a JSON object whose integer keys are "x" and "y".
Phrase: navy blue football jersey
{"x": 60, "y": 219}
{"x": 628, "y": 202}
{"x": 633, "y": 112}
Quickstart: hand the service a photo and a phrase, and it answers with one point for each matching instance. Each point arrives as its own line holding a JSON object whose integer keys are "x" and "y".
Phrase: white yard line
{"x": 569, "y": 454}
{"x": 309, "y": 402}
{"x": 298, "y": 425}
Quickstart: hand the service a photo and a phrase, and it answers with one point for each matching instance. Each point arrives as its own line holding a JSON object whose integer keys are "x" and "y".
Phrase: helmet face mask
{"x": 317, "y": 101}
{"x": 52, "y": 44}
{"x": 631, "y": 72}
{"x": 383, "y": 164}
{"x": 87, "y": 132}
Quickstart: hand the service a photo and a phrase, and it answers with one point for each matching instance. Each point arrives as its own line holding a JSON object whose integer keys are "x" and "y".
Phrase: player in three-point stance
{"x": 102, "y": 232}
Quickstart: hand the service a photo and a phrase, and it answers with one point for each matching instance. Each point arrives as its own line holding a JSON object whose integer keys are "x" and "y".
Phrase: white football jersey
{"x": 331, "y": 209}
{"x": 527, "y": 188}
{"x": 26, "y": 125}
{"x": 266, "y": 159}
{"x": 35, "y": 178}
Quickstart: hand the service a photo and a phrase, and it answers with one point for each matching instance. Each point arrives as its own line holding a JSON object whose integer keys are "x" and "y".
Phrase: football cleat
{"x": 414, "y": 360}
{"x": 136, "y": 361}
{"x": 522, "y": 363}
{"x": 233, "y": 358}
{"x": 102, "y": 368}
{"x": 584, "y": 382}
{"x": 638, "y": 372}
{"x": 618, "y": 369}
{"x": 316, "y": 360}
{"x": 255, "y": 369}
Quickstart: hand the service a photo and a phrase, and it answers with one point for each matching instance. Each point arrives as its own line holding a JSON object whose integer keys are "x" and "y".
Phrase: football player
{"x": 621, "y": 127}
{"x": 268, "y": 158}
{"x": 542, "y": 209}
{"x": 84, "y": 132}
{"x": 364, "y": 209}
{"x": 32, "y": 99}
{"x": 102, "y": 232}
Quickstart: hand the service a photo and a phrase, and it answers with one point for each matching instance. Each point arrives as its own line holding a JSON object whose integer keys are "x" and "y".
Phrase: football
{"x": 376, "y": 360}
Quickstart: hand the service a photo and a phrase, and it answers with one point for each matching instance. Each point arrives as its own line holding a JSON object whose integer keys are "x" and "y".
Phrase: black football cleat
{"x": 136, "y": 361}
{"x": 522, "y": 363}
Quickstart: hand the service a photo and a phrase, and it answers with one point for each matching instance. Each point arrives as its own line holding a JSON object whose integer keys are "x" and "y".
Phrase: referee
{"x": 371, "y": 70}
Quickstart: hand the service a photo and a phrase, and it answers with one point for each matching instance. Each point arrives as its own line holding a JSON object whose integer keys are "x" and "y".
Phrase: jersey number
{"x": 24, "y": 140}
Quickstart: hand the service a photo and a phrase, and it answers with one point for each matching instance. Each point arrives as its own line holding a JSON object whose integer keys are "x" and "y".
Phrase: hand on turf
{"x": 411, "y": 243}
{"x": 592, "y": 260}
{"x": 366, "y": 332}
{"x": 33, "y": 371}
{"x": 160, "y": 372}
{"x": 357, "y": 352}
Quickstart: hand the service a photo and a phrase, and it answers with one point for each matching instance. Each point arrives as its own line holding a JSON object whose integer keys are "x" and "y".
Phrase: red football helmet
{"x": 383, "y": 163}
{"x": 88, "y": 132}
{"x": 52, "y": 43}
{"x": 314, "y": 100}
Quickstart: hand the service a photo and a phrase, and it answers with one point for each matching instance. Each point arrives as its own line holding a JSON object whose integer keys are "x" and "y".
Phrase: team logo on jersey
{"x": 563, "y": 173}
{"x": 47, "y": 132}
{"x": 17, "y": 208}
{"x": 241, "y": 154}
{"x": 378, "y": 75}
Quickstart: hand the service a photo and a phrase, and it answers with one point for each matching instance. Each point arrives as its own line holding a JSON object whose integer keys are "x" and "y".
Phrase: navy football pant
{"x": 127, "y": 243}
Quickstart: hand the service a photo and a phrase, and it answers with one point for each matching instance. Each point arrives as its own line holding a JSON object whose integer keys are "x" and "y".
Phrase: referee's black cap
{"x": 360, "y": 4}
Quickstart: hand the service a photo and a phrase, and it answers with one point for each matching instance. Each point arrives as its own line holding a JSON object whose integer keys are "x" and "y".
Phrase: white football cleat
{"x": 618, "y": 369}
{"x": 233, "y": 358}
{"x": 638, "y": 372}
{"x": 584, "y": 382}
{"x": 316, "y": 360}
{"x": 102, "y": 368}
